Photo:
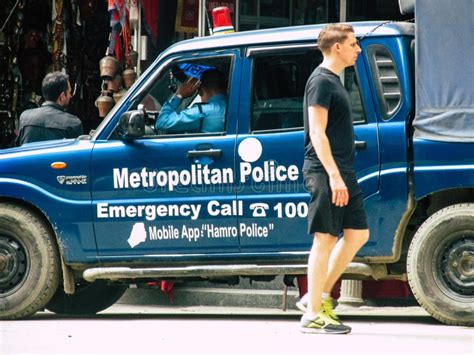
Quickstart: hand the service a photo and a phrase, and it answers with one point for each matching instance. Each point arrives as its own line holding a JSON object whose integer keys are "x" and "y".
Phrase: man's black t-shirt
{"x": 324, "y": 88}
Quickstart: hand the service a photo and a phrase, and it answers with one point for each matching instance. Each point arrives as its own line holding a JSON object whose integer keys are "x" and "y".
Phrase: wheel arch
{"x": 429, "y": 205}
{"x": 417, "y": 212}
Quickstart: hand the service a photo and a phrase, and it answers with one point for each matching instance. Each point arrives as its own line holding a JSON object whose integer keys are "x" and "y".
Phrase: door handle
{"x": 360, "y": 144}
{"x": 214, "y": 153}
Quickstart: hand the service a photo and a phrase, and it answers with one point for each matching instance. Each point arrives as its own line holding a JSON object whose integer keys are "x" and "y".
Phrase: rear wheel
{"x": 440, "y": 265}
{"x": 29, "y": 263}
{"x": 88, "y": 298}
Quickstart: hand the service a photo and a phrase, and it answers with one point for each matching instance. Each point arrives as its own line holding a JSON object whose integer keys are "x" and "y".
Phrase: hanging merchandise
{"x": 129, "y": 77}
{"x": 120, "y": 29}
{"x": 118, "y": 95}
{"x": 132, "y": 59}
{"x": 120, "y": 54}
{"x": 93, "y": 28}
{"x": 57, "y": 35}
{"x": 109, "y": 66}
{"x": 116, "y": 55}
{"x": 115, "y": 84}
{"x": 4, "y": 56}
{"x": 34, "y": 60}
{"x": 74, "y": 40}
{"x": 187, "y": 16}
{"x": 40, "y": 36}
{"x": 134, "y": 13}
{"x": 7, "y": 92}
{"x": 10, "y": 76}
{"x": 104, "y": 103}
{"x": 67, "y": 39}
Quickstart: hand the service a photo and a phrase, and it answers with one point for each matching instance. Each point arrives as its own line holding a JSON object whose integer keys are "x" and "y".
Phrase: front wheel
{"x": 88, "y": 298}
{"x": 440, "y": 265}
{"x": 29, "y": 262}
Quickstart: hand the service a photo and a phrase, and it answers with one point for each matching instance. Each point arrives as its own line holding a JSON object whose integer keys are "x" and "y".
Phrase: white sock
{"x": 325, "y": 295}
{"x": 304, "y": 299}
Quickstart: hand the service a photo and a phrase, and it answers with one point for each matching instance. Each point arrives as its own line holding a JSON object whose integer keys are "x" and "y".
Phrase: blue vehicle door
{"x": 169, "y": 192}
{"x": 271, "y": 150}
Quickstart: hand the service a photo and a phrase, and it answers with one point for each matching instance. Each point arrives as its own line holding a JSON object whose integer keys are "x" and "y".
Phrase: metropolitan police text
{"x": 202, "y": 175}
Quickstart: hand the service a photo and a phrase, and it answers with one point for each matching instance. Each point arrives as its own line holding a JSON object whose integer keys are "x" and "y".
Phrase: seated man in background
{"x": 204, "y": 117}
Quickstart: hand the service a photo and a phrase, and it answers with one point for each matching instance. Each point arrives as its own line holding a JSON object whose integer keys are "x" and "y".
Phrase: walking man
{"x": 336, "y": 208}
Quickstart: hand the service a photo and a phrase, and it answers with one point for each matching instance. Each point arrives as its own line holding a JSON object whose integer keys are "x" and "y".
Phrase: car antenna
{"x": 380, "y": 25}
{"x": 207, "y": 18}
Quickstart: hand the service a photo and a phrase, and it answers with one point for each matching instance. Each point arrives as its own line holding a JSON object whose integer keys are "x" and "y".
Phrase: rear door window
{"x": 278, "y": 82}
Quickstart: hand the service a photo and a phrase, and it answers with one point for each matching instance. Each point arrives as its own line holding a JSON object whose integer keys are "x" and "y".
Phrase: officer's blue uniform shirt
{"x": 206, "y": 118}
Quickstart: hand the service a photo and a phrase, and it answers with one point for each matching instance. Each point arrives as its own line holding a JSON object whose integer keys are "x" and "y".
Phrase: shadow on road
{"x": 46, "y": 316}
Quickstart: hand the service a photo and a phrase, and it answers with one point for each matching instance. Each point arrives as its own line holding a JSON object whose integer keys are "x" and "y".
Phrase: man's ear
{"x": 59, "y": 99}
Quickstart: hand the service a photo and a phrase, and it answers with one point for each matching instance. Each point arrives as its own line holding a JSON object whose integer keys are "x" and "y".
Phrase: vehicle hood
{"x": 38, "y": 146}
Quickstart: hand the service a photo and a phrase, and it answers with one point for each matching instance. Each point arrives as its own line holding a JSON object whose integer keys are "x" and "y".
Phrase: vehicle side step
{"x": 376, "y": 271}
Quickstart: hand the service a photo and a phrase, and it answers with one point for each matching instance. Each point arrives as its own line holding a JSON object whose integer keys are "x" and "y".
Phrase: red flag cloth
{"x": 385, "y": 289}
{"x": 302, "y": 281}
{"x": 167, "y": 289}
{"x": 150, "y": 11}
{"x": 370, "y": 289}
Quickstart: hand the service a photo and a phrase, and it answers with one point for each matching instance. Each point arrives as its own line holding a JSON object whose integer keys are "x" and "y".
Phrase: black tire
{"x": 439, "y": 265}
{"x": 29, "y": 262}
{"x": 89, "y": 298}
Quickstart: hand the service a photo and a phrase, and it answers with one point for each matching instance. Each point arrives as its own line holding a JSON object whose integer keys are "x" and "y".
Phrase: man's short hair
{"x": 54, "y": 84}
{"x": 213, "y": 79}
{"x": 333, "y": 33}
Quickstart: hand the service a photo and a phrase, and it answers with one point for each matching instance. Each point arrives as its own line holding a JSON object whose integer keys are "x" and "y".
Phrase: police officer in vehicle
{"x": 50, "y": 121}
{"x": 205, "y": 117}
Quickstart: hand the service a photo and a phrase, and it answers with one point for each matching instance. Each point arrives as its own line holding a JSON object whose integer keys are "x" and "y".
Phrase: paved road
{"x": 195, "y": 330}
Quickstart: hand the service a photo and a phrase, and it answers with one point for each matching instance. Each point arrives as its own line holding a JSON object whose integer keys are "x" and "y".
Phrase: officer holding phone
{"x": 205, "y": 117}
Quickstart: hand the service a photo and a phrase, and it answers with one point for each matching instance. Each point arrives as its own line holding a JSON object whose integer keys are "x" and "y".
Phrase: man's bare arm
{"x": 318, "y": 120}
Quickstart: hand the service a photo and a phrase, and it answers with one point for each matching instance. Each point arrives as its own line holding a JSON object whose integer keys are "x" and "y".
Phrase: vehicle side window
{"x": 190, "y": 115}
{"x": 352, "y": 86}
{"x": 278, "y": 82}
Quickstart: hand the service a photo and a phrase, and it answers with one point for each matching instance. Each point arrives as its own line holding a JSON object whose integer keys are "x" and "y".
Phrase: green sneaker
{"x": 329, "y": 310}
{"x": 323, "y": 324}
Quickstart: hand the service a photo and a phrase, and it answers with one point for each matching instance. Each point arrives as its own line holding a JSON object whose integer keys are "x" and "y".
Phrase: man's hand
{"x": 188, "y": 88}
{"x": 340, "y": 193}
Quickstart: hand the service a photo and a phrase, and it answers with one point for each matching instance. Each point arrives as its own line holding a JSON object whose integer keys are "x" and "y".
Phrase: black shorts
{"x": 323, "y": 215}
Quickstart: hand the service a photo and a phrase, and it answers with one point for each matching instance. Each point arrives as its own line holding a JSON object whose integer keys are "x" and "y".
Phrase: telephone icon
{"x": 259, "y": 209}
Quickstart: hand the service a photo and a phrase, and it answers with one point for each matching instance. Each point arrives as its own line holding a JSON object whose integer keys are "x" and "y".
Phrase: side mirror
{"x": 133, "y": 124}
